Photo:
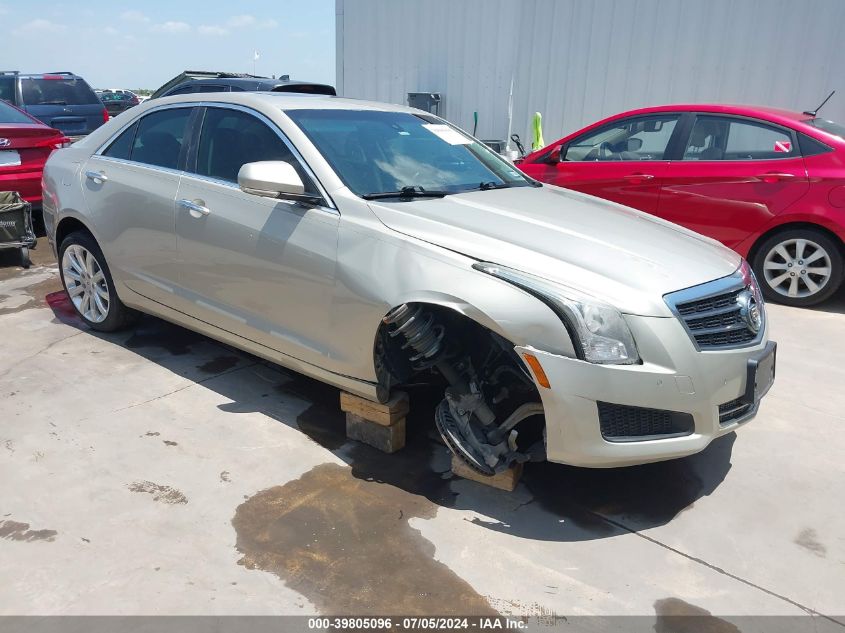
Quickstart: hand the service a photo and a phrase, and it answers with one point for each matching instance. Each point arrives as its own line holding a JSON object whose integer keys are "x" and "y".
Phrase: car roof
{"x": 282, "y": 101}
{"x": 782, "y": 116}
{"x": 722, "y": 108}
{"x": 63, "y": 73}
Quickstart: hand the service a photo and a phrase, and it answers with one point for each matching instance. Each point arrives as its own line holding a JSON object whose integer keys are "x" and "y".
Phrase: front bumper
{"x": 673, "y": 377}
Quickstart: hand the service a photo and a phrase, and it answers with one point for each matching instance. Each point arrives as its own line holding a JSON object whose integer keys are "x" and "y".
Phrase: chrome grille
{"x": 711, "y": 314}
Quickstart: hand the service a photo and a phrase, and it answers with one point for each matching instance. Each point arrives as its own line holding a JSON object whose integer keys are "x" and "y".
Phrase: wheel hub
{"x": 85, "y": 282}
{"x": 797, "y": 268}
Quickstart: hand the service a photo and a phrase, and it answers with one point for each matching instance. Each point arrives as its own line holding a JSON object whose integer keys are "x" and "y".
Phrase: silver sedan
{"x": 371, "y": 246}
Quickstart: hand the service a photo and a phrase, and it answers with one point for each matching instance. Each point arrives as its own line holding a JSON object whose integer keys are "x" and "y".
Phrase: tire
{"x": 103, "y": 310}
{"x": 785, "y": 263}
{"x": 26, "y": 262}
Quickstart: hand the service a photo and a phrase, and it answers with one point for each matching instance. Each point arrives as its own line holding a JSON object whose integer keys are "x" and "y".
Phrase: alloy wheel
{"x": 797, "y": 268}
{"x": 86, "y": 283}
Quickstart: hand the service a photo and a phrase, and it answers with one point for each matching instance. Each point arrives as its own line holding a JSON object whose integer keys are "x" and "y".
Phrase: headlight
{"x": 754, "y": 312}
{"x": 598, "y": 330}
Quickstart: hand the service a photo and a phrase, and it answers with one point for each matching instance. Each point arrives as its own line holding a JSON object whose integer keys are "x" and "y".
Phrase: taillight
{"x": 105, "y": 116}
{"x": 54, "y": 142}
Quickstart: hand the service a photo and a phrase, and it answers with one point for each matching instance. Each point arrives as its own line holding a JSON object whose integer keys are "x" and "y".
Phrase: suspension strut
{"x": 424, "y": 338}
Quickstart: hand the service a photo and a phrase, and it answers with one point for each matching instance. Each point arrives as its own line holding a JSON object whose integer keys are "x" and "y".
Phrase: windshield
{"x": 8, "y": 114}
{"x": 828, "y": 126}
{"x": 58, "y": 91}
{"x": 378, "y": 152}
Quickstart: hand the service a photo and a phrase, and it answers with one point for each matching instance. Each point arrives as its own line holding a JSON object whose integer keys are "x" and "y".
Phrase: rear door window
{"x": 726, "y": 138}
{"x": 56, "y": 90}
{"x": 160, "y": 137}
{"x": 232, "y": 138}
{"x": 183, "y": 90}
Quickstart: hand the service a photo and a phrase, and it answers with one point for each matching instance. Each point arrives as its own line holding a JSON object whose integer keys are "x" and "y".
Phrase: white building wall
{"x": 576, "y": 61}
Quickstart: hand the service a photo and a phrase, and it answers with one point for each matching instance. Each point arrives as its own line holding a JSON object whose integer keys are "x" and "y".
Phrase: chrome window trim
{"x": 134, "y": 163}
{"x": 113, "y": 137}
{"x": 708, "y": 289}
{"x": 280, "y": 133}
{"x": 330, "y": 204}
{"x": 235, "y": 187}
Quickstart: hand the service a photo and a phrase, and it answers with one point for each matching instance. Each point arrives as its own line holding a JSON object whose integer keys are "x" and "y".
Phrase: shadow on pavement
{"x": 552, "y": 503}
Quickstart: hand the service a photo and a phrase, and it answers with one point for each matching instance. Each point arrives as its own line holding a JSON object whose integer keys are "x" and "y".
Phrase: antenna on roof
{"x": 821, "y": 105}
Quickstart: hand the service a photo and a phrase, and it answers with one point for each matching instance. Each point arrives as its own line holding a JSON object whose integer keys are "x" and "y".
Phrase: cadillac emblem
{"x": 749, "y": 310}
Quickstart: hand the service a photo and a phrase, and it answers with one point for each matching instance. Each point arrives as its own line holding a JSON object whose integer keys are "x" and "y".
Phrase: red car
{"x": 25, "y": 145}
{"x": 768, "y": 183}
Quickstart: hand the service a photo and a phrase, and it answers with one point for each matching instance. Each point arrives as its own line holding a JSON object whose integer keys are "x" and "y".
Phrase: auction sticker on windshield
{"x": 451, "y": 136}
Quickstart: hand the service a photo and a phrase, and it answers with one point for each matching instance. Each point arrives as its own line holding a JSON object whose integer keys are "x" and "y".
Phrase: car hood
{"x": 625, "y": 257}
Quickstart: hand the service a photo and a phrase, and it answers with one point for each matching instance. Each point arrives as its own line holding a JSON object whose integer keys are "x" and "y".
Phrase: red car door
{"x": 734, "y": 175}
{"x": 623, "y": 161}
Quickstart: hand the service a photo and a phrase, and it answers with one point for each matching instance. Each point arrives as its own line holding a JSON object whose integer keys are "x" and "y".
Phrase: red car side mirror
{"x": 555, "y": 154}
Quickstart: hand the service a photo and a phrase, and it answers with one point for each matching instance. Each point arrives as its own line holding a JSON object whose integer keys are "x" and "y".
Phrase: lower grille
{"x": 621, "y": 423}
{"x": 733, "y": 410}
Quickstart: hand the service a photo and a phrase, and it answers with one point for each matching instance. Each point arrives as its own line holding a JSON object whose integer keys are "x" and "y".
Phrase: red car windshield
{"x": 828, "y": 126}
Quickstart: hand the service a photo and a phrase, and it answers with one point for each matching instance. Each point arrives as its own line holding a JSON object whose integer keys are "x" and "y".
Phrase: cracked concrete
{"x": 145, "y": 465}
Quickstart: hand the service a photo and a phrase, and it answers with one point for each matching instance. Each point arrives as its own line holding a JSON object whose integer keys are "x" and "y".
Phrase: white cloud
{"x": 250, "y": 21}
{"x": 110, "y": 30}
{"x": 172, "y": 27}
{"x": 42, "y": 25}
{"x": 211, "y": 29}
{"x": 241, "y": 21}
{"x": 134, "y": 16}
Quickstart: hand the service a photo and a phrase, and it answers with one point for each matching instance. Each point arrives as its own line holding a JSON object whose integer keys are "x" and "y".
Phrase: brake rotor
{"x": 452, "y": 433}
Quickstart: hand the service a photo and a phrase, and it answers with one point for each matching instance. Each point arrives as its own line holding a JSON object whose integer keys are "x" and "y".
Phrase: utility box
{"x": 428, "y": 101}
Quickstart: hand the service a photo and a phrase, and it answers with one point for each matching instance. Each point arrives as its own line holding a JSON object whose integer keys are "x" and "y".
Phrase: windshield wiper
{"x": 406, "y": 192}
{"x": 484, "y": 186}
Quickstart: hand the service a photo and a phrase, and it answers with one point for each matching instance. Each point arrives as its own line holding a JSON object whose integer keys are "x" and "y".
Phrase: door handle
{"x": 775, "y": 177}
{"x": 197, "y": 210}
{"x": 635, "y": 178}
{"x": 97, "y": 176}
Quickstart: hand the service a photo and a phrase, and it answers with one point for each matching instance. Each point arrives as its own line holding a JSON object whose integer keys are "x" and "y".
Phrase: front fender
{"x": 378, "y": 270}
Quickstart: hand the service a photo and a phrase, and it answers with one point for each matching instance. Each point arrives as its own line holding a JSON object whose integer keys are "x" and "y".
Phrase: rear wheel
{"x": 799, "y": 267}
{"x": 89, "y": 285}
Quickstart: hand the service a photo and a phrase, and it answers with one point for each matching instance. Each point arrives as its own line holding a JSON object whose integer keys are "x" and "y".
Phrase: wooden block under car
{"x": 387, "y": 439}
{"x": 505, "y": 480}
{"x": 386, "y": 414}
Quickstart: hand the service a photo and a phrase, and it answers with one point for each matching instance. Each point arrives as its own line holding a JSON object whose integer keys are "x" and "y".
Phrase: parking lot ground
{"x": 158, "y": 472}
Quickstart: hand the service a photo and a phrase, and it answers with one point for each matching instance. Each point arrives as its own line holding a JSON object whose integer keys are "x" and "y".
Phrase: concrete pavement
{"x": 158, "y": 472}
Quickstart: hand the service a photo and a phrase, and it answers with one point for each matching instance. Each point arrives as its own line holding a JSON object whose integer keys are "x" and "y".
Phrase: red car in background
{"x": 768, "y": 183}
{"x": 25, "y": 145}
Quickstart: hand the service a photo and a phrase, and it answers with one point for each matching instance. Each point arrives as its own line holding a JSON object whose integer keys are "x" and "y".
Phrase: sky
{"x": 142, "y": 44}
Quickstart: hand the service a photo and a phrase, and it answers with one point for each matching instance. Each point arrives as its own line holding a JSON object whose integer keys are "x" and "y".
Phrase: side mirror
{"x": 634, "y": 144}
{"x": 271, "y": 179}
{"x": 557, "y": 154}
